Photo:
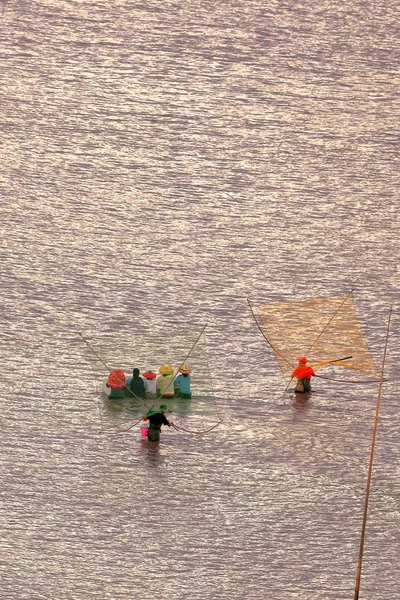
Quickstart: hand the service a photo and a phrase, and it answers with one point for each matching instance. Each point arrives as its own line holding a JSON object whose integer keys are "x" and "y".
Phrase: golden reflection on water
{"x": 161, "y": 164}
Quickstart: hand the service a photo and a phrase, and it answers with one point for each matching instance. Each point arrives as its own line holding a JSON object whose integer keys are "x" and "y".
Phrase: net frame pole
{"x": 97, "y": 355}
{"x": 329, "y": 322}
{"x": 265, "y": 337}
{"x": 371, "y": 462}
{"x": 184, "y": 361}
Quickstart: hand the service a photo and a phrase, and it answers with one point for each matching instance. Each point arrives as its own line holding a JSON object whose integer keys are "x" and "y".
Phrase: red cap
{"x": 149, "y": 375}
{"x": 302, "y": 359}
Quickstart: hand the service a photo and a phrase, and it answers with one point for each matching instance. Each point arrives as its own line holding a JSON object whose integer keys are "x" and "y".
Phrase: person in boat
{"x": 156, "y": 419}
{"x": 137, "y": 385}
{"x": 303, "y": 374}
{"x": 165, "y": 382}
{"x": 150, "y": 384}
{"x": 182, "y": 383}
{"x": 116, "y": 384}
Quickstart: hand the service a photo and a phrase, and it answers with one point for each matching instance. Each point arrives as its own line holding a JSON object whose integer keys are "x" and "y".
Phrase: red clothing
{"x": 303, "y": 372}
{"x": 116, "y": 379}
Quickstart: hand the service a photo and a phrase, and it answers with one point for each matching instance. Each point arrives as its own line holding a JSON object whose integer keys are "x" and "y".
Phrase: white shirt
{"x": 151, "y": 385}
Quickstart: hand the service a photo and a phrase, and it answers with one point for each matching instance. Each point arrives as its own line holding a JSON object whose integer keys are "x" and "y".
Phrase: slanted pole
{"x": 371, "y": 461}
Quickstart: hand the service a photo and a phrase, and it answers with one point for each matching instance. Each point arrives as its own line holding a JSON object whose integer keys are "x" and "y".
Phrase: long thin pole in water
{"x": 184, "y": 360}
{"x": 193, "y": 347}
{"x": 371, "y": 461}
{"x": 106, "y": 365}
{"x": 328, "y": 323}
{"x": 265, "y": 337}
{"x": 94, "y": 352}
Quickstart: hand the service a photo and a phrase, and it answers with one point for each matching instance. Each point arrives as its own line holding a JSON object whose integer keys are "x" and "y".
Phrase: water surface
{"x": 161, "y": 164}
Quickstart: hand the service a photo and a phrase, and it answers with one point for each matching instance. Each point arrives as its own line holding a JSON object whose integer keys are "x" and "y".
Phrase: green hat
{"x": 156, "y": 410}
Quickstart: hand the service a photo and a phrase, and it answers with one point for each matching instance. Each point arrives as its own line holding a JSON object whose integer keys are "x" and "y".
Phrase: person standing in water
{"x": 182, "y": 383}
{"x": 150, "y": 384}
{"x": 115, "y": 384}
{"x": 136, "y": 385}
{"x": 165, "y": 382}
{"x": 156, "y": 419}
{"x": 303, "y": 374}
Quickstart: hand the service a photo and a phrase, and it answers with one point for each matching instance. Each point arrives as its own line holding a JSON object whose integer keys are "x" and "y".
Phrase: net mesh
{"x": 151, "y": 351}
{"x": 323, "y": 329}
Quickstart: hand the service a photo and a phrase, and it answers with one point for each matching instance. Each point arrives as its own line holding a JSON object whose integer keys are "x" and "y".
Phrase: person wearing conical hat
{"x": 303, "y": 374}
{"x": 165, "y": 382}
{"x": 156, "y": 420}
{"x": 183, "y": 382}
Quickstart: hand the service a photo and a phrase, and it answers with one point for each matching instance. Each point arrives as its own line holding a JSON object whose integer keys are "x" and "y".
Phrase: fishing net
{"x": 149, "y": 351}
{"x": 323, "y": 329}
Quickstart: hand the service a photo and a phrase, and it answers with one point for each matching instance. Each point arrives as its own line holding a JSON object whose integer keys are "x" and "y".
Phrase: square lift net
{"x": 151, "y": 351}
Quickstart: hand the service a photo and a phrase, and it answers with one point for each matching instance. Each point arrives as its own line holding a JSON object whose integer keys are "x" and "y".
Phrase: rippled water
{"x": 162, "y": 163}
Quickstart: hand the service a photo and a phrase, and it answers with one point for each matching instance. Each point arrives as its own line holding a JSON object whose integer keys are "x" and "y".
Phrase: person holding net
{"x": 303, "y": 374}
{"x": 156, "y": 419}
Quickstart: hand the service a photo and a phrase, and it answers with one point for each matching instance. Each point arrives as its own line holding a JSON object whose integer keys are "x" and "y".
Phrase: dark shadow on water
{"x": 301, "y": 402}
{"x": 151, "y": 452}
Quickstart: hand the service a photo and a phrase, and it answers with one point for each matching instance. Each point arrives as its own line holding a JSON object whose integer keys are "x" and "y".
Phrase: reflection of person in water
{"x": 156, "y": 420}
{"x": 303, "y": 374}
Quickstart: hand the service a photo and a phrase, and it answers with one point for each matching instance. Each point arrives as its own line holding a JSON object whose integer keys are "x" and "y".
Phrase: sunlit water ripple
{"x": 161, "y": 164}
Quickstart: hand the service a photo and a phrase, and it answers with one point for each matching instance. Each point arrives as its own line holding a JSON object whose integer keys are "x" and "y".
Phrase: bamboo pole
{"x": 107, "y": 366}
{"x": 134, "y": 395}
{"x": 371, "y": 461}
{"x": 328, "y": 323}
{"x": 266, "y": 339}
{"x": 322, "y": 364}
{"x": 185, "y": 359}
